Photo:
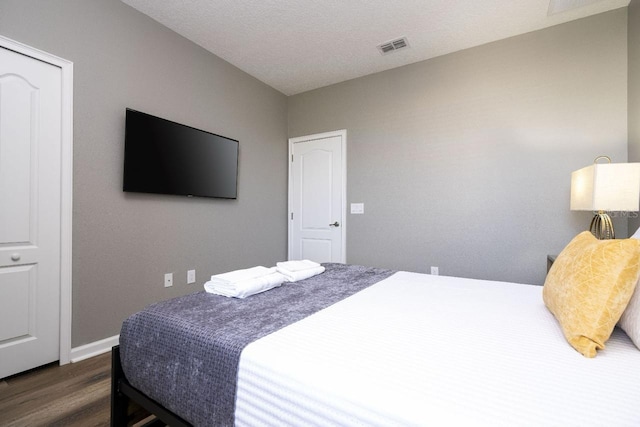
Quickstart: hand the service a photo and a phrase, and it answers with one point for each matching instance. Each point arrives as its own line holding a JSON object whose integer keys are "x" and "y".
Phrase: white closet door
{"x": 317, "y": 198}
{"x": 30, "y": 209}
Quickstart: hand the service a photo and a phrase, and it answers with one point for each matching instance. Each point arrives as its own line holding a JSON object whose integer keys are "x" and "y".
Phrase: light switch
{"x": 357, "y": 208}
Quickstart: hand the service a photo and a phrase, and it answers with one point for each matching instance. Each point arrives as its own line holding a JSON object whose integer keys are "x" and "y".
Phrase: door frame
{"x": 343, "y": 215}
{"x": 66, "y": 184}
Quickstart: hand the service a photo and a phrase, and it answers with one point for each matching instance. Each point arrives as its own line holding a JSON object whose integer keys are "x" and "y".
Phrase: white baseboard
{"x": 93, "y": 349}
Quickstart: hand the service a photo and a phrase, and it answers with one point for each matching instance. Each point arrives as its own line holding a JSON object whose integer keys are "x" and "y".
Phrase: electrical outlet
{"x": 168, "y": 280}
{"x": 191, "y": 276}
{"x": 434, "y": 271}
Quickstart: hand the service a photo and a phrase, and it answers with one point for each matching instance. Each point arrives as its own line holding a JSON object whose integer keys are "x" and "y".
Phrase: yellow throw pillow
{"x": 589, "y": 286}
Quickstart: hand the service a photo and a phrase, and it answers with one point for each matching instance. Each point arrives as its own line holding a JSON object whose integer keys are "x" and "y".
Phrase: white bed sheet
{"x": 417, "y": 349}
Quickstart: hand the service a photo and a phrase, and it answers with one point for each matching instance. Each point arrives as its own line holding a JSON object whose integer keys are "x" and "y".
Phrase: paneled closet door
{"x": 30, "y": 209}
{"x": 317, "y": 186}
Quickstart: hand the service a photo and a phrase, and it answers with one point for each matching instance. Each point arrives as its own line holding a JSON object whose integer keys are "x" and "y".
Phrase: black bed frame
{"x": 129, "y": 405}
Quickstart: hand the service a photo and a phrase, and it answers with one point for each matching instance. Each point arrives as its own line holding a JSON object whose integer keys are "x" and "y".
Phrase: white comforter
{"x": 417, "y": 349}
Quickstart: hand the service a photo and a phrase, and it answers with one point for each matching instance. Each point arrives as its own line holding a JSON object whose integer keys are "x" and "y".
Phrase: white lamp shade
{"x": 606, "y": 187}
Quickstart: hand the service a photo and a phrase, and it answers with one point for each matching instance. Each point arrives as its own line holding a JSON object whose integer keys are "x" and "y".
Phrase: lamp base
{"x": 602, "y": 227}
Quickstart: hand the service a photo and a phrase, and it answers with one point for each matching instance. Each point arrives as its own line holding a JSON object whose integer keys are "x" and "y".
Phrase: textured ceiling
{"x": 299, "y": 45}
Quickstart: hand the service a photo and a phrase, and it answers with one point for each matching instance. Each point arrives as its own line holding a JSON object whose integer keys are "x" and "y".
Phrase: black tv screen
{"x": 161, "y": 156}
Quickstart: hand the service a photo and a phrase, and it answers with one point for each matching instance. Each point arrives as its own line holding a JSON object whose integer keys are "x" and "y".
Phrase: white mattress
{"x": 416, "y": 349}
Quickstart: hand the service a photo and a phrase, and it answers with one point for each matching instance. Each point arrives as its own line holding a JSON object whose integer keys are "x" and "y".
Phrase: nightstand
{"x": 550, "y": 260}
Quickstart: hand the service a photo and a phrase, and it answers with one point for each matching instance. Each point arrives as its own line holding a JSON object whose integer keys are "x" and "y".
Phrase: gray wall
{"x": 634, "y": 91}
{"x": 464, "y": 161}
{"x": 124, "y": 243}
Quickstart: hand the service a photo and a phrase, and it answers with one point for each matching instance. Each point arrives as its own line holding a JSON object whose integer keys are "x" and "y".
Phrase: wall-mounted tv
{"x": 161, "y": 156}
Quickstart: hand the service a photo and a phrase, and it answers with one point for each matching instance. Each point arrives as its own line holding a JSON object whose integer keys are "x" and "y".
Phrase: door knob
{"x": 335, "y": 224}
{"x": 15, "y": 257}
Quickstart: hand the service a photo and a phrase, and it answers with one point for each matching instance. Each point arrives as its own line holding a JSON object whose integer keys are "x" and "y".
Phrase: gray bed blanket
{"x": 184, "y": 353}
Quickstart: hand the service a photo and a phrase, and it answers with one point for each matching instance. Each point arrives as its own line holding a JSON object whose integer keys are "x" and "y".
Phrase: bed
{"x": 365, "y": 346}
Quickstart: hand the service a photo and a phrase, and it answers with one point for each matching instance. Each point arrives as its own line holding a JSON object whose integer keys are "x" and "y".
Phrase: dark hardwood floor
{"x": 77, "y": 394}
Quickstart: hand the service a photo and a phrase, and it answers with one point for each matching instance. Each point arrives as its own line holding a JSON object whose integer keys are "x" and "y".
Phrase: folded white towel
{"x": 245, "y": 288}
{"x": 294, "y": 276}
{"x": 240, "y": 275}
{"x": 297, "y": 265}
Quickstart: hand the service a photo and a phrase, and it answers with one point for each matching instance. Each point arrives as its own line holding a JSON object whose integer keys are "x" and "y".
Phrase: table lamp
{"x": 604, "y": 187}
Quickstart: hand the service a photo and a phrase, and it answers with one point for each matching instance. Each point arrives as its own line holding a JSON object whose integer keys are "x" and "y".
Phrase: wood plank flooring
{"x": 77, "y": 394}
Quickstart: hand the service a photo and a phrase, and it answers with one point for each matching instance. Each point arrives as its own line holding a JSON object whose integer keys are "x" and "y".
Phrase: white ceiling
{"x": 299, "y": 45}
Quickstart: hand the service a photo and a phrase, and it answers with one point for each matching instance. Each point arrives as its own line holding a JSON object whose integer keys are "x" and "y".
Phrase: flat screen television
{"x": 161, "y": 156}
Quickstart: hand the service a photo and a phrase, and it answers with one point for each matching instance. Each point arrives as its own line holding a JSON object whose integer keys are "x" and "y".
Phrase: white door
{"x": 317, "y": 197}
{"x": 30, "y": 209}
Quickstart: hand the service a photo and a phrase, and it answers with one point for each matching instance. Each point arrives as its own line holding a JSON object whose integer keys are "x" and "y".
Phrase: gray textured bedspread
{"x": 184, "y": 353}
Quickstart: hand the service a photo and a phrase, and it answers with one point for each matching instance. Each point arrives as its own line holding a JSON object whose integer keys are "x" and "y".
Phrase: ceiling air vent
{"x": 393, "y": 45}
{"x": 559, "y": 6}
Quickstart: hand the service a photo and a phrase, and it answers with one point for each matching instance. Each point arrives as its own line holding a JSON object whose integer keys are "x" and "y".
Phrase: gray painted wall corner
{"x": 464, "y": 161}
{"x": 634, "y": 90}
{"x": 123, "y": 243}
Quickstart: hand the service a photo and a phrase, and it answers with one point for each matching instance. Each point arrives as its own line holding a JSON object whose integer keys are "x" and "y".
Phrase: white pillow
{"x": 630, "y": 320}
